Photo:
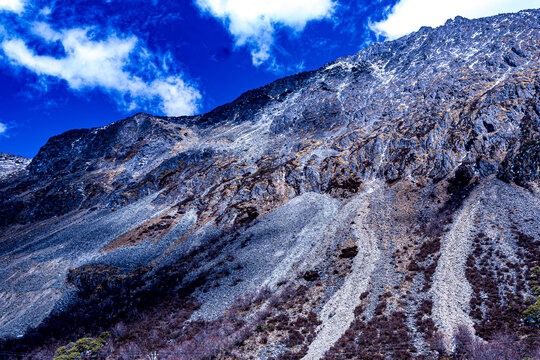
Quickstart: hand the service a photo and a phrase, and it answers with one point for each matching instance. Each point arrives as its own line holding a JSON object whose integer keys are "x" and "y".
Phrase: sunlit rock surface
{"x": 11, "y": 164}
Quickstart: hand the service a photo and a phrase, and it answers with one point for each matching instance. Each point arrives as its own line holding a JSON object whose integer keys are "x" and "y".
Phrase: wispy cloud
{"x": 252, "y": 23}
{"x": 118, "y": 65}
{"x": 16, "y": 6}
{"x": 3, "y": 129}
{"x": 409, "y": 15}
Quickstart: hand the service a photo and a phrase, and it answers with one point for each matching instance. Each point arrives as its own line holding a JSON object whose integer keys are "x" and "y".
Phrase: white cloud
{"x": 119, "y": 66}
{"x": 3, "y": 128}
{"x": 16, "y": 6}
{"x": 253, "y": 22}
{"x": 409, "y": 15}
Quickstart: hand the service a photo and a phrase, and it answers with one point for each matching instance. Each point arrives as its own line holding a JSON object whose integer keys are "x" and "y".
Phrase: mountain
{"x": 384, "y": 206}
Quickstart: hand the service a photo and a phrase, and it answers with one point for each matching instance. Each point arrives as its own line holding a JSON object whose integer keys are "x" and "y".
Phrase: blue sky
{"x": 86, "y": 63}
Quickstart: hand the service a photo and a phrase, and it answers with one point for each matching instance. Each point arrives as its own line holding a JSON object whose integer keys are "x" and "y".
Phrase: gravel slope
{"x": 338, "y": 313}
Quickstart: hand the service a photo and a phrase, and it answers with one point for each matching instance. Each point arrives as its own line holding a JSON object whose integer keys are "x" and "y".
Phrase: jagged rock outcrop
{"x": 10, "y": 164}
{"x": 394, "y": 189}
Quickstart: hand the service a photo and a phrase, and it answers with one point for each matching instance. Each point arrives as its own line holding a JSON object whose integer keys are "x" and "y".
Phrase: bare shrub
{"x": 261, "y": 316}
{"x": 42, "y": 353}
{"x": 129, "y": 351}
{"x": 241, "y": 335}
{"x": 463, "y": 339}
{"x": 274, "y": 301}
{"x": 119, "y": 330}
{"x": 284, "y": 295}
{"x": 242, "y": 304}
{"x": 263, "y": 294}
{"x": 503, "y": 347}
{"x": 436, "y": 343}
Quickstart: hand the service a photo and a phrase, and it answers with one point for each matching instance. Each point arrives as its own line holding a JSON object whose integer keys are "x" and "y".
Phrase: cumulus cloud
{"x": 16, "y": 6}
{"x": 253, "y": 22}
{"x": 409, "y": 15}
{"x": 117, "y": 65}
{"x": 3, "y": 129}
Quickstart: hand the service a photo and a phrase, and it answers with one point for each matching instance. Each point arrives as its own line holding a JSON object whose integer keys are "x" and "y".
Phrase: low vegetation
{"x": 82, "y": 348}
{"x": 531, "y": 315}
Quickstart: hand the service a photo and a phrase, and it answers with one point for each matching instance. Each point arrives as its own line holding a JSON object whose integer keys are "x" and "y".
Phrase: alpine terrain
{"x": 384, "y": 206}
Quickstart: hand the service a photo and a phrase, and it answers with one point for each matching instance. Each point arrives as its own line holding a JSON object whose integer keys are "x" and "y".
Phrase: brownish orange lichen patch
{"x": 92, "y": 273}
{"x": 154, "y": 229}
{"x": 220, "y": 205}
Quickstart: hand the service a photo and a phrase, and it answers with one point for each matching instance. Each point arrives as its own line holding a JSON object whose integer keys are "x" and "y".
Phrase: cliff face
{"x": 393, "y": 189}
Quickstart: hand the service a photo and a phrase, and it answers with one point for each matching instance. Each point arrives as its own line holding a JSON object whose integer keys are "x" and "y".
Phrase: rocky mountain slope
{"x": 373, "y": 208}
{"x": 10, "y": 164}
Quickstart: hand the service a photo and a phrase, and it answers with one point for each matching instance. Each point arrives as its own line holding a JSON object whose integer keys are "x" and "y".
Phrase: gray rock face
{"x": 378, "y": 174}
{"x": 10, "y": 164}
